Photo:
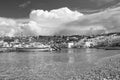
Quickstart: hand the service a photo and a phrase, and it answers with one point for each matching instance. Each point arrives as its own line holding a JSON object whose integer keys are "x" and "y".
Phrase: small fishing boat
{"x": 33, "y": 49}
{"x": 109, "y": 48}
{"x": 7, "y": 49}
{"x": 3, "y": 49}
{"x": 112, "y": 48}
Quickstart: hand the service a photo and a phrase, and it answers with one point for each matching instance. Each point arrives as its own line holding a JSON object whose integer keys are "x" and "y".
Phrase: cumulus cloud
{"x": 55, "y": 14}
{"x": 51, "y": 22}
{"x": 7, "y": 27}
{"x": 105, "y": 21}
{"x": 62, "y": 21}
{"x": 40, "y": 22}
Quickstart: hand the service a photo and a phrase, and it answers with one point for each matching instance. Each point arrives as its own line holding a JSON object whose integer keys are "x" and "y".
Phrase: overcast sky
{"x": 22, "y": 8}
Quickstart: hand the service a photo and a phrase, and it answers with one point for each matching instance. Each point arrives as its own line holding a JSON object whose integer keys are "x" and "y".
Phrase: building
{"x": 70, "y": 44}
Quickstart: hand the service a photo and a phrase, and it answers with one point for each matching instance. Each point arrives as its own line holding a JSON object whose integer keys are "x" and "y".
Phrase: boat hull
{"x": 32, "y": 49}
{"x": 109, "y": 48}
{"x": 112, "y": 48}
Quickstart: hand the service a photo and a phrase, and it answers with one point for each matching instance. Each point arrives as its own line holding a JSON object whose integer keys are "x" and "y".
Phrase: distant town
{"x": 59, "y": 42}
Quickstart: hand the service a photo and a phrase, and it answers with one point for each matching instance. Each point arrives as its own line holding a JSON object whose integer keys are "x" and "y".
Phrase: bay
{"x": 58, "y": 65}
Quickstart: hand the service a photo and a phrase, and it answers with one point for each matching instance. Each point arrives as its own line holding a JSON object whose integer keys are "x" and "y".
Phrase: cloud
{"x": 102, "y": 2}
{"x": 62, "y": 21}
{"x": 40, "y": 22}
{"x": 25, "y": 4}
{"x": 51, "y": 22}
{"x": 105, "y": 21}
{"x": 8, "y": 27}
{"x": 55, "y": 14}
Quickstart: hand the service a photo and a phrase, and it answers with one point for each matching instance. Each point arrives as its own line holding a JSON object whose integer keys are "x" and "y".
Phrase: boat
{"x": 3, "y": 49}
{"x": 7, "y": 49}
{"x": 33, "y": 49}
{"x": 109, "y": 48}
{"x": 112, "y": 48}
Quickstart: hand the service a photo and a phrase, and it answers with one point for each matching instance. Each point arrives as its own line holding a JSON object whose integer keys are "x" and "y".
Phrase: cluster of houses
{"x": 99, "y": 41}
{"x": 62, "y": 42}
{"x": 16, "y": 43}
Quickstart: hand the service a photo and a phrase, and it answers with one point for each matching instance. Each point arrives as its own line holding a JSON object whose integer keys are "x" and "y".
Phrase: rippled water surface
{"x": 49, "y": 65}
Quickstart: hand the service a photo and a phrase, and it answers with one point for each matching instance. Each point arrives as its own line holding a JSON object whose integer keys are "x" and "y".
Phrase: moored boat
{"x": 112, "y": 48}
{"x": 33, "y": 49}
{"x": 3, "y": 49}
{"x": 109, "y": 48}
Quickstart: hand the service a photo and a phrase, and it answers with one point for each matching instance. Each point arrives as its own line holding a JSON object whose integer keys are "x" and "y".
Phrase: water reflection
{"x": 61, "y": 58}
{"x": 76, "y": 55}
{"x": 90, "y": 58}
{"x": 71, "y": 51}
{"x": 71, "y": 55}
{"x": 88, "y": 50}
{"x": 90, "y": 55}
{"x": 73, "y": 60}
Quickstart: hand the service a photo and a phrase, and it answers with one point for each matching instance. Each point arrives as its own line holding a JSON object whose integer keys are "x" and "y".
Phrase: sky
{"x": 22, "y": 8}
{"x": 58, "y": 17}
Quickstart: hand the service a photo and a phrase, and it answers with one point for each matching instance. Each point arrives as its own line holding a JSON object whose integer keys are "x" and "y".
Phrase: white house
{"x": 89, "y": 44}
{"x": 70, "y": 45}
{"x": 5, "y": 44}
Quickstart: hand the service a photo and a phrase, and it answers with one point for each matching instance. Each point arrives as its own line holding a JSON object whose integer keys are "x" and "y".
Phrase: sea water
{"x": 57, "y": 65}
